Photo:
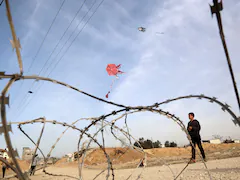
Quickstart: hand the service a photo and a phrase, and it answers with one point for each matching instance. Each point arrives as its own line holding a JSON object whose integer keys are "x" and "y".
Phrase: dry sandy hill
{"x": 120, "y": 156}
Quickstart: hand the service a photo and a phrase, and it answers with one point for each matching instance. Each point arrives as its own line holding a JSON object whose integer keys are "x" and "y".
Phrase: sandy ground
{"x": 225, "y": 169}
{"x": 222, "y": 164}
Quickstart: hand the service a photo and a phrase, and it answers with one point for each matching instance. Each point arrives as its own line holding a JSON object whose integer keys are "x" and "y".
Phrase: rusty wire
{"x": 106, "y": 123}
{"x": 38, "y": 142}
{"x": 15, "y": 42}
{"x": 151, "y": 108}
{"x": 126, "y": 110}
{"x": 8, "y": 164}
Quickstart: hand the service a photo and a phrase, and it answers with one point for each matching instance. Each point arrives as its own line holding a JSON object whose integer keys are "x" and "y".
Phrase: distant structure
{"x": 236, "y": 141}
{"x": 27, "y": 154}
{"x": 212, "y": 141}
{"x": 215, "y": 141}
{"x": 218, "y": 141}
{"x": 51, "y": 161}
{"x": 70, "y": 157}
{"x": 4, "y": 153}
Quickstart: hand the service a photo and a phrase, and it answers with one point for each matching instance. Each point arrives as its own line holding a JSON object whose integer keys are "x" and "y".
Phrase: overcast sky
{"x": 179, "y": 54}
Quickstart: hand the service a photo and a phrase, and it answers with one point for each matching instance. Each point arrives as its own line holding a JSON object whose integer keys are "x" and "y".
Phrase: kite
{"x": 113, "y": 70}
{"x": 30, "y": 92}
{"x": 142, "y": 29}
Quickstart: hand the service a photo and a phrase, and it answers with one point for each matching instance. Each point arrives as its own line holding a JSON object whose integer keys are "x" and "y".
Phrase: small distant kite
{"x": 30, "y": 92}
{"x": 142, "y": 29}
{"x": 113, "y": 70}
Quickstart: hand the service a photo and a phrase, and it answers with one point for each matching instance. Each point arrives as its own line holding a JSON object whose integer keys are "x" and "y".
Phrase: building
{"x": 215, "y": 141}
{"x": 73, "y": 156}
{"x": 236, "y": 141}
{"x": 27, "y": 154}
{"x": 4, "y": 153}
{"x": 70, "y": 157}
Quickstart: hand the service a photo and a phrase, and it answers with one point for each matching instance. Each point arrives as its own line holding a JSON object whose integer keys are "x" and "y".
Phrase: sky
{"x": 179, "y": 54}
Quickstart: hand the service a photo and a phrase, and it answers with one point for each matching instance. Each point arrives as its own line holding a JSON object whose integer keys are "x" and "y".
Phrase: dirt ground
{"x": 24, "y": 166}
{"x": 224, "y": 163}
{"x": 155, "y": 157}
{"x": 225, "y": 169}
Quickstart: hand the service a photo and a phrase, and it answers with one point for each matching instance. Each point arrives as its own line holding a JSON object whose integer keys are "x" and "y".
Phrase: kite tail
{"x": 118, "y": 67}
{"x": 107, "y": 94}
{"x": 111, "y": 87}
{"x": 120, "y": 72}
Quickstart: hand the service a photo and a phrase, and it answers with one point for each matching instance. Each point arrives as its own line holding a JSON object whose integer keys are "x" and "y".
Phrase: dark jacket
{"x": 194, "y": 133}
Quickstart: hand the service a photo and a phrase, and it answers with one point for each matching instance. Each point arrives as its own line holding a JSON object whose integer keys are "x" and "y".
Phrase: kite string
{"x": 111, "y": 86}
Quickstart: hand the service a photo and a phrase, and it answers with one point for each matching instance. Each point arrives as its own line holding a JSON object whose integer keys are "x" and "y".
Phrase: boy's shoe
{"x": 192, "y": 161}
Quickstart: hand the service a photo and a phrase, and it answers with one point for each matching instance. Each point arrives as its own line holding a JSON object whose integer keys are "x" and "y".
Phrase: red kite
{"x": 113, "y": 70}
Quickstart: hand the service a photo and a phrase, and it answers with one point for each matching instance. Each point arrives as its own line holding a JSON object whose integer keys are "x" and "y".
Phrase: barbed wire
{"x": 42, "y": 120}
{"x": 101, "y": 120}
{"x": 68, "y": 47}
{"x": 125, "y": 108}
{"x": 15, "y": 42}
{"x": 225, "y": 107}
{"x": 56, "y": 46}
{"x": 41, "y": 45}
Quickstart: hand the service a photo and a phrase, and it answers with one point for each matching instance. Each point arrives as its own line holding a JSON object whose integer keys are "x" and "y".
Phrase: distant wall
{"x": 215, "y": 141}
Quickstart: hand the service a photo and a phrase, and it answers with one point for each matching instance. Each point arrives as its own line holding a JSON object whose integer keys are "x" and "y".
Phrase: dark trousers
{"x": 198, "y": 142}
{"x": 32, "y": 170}
{"x": 3, "y": 171}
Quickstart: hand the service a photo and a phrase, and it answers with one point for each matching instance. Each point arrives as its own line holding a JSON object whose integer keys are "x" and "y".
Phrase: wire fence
{"x": 123, "y": 113}
{"x": 100, "y": 122}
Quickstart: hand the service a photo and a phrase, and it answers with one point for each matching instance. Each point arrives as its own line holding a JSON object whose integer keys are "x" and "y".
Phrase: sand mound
{"x": 164, "y": 152}
{"x": 117, "y": 155}
{"x": 209, "y": 148}
{"x": 120, "y": 156}
{"x": 97, "y": 156}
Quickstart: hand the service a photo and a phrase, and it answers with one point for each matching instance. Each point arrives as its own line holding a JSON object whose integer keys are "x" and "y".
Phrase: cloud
{"x": 187, "y": 59}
